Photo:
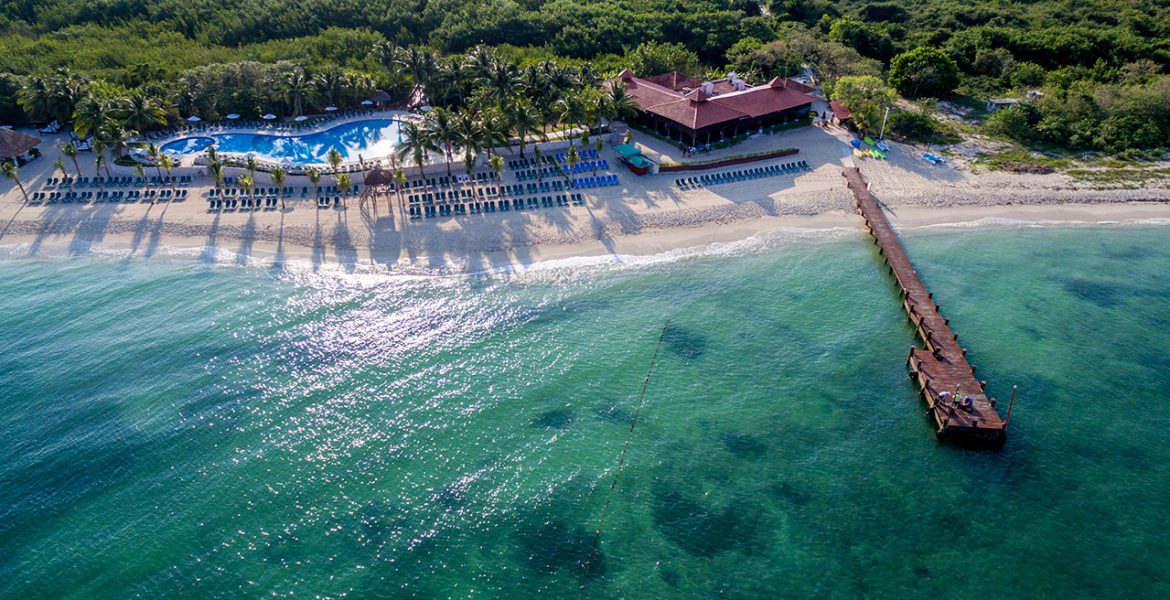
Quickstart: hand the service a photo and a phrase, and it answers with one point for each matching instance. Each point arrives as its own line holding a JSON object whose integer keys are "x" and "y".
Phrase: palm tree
{"x": 314, "y": 178}
{"x": 278, "y": 180}
{"x": 90, "y": 116}
{"x": 539, "y": 163}
{"x": 295, "y": 87}
{"x": 60, "y": 166}
{"x": 334, "y": 158}
{"x": 66, "y": 89}
{"x": 216, "y": 169}
{"x": 36, "y": 98}
{"x": 570, "y": 112}
{"x": 493, "y": 129}
{"x": 440, "y": 127}
{"x": 99, "y": 150}
{"x": 497, "y": 164}
{"x": 416, "y": 143}
{"x": 480, "y": 61}
{"x": 399, "y": 181}
{"x": 250, "y": 165}
{"x": 468, "y": 132}
{"x": 598, "y": 146}
{"x": 387, "y": 55}
{"x": 141, "y": 112}
{"x": 155, "y": 157}
{"x": 524, "y": 121}
{"x": 533, "y": 82}
{"x": 571, "y": 160}
{"x": 343, "y": 183}
{"x": 116, "y": 137}
{"x": 588, "y": 77}
{"x": 501, "y": 80}
{"x": 247, "y": 183}
{"x": 621, "y": 104}
{"x": 71, "y": 151}
{"x": 139, "y": 171}
{"x": 99, "y": 162}
{"x": 329, "y": 86}
{"x": 420, "y": 63}
{"x": 357, "y": 85}
{"x": 212, "y": 156}
{"x": 167, "y": 164}
{"x": 10, "y": 172}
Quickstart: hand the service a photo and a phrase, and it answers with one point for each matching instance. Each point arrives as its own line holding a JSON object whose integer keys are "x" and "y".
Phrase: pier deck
{"x": 942, "y": 365}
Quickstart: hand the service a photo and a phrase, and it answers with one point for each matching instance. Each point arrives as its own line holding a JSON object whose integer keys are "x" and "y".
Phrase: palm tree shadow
{"x": 208, "y": 254}
{"x": 318, "y": 248}
{"x": 12, "y": 220}
{"x": 247, "y": 238}
{"x": 140, "y": 231}
{"x": 277, "y": 265}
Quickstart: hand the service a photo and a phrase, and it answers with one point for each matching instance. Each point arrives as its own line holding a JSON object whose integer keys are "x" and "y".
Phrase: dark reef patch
{"x": 560, "y": 418}
{"x": 684, "y": 342}
{"x": 744, "y": 445}
{"x": 553, "y": 546}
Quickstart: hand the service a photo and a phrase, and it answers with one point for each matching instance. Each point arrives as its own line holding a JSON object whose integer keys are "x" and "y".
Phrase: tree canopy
{"x": 924, "y": 73}
{"x": 1100, "y": 65}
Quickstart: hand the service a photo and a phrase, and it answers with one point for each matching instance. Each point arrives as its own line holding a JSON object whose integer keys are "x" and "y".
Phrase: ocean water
{"x": 172, "y": 429}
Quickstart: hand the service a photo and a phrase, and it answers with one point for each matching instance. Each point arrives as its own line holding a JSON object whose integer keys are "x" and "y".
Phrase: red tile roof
{"x": 695, "y": 109}
{"x": 839, "y": 109}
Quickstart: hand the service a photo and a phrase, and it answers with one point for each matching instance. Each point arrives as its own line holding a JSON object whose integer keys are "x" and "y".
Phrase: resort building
{"x": 696, "y": 112}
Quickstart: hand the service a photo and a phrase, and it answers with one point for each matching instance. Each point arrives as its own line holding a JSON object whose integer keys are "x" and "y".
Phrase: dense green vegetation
{"x": 1100, "y": 65}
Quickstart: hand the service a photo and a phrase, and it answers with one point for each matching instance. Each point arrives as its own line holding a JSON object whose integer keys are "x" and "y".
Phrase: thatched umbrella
{"x": 15, "y": 143}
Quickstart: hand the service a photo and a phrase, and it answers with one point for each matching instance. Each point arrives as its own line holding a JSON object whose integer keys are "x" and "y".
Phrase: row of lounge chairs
{"x": 286, "y": 191}
{"x": 418, "y": 211}
{"x": 265, "y": 202}
{"x": 511, "y": 189}
{"x": 692, "y": 183}
{"x": 448, "y": 181}
{"x": 560, "y": 157}
{"x": 583, "y": 154}
{"x": 86, "y": 197}
{"x": 561, "y": 170}
{"x": 57, "y": 182}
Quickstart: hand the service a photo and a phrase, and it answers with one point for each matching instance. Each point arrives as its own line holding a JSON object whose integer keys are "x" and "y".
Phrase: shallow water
{"x": 175, "y": 429}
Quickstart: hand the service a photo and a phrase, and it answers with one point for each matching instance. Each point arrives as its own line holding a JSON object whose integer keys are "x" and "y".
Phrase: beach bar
{"x": 956, "y": 402}
{"x": 632, "y": 158}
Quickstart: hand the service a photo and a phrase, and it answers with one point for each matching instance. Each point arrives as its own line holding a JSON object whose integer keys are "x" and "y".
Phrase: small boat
{"x": 856, "y": 143}
{"x": 858, "y": 153}
{"x": 882, "y": 146}
{"x": 878, "y": 154}
{"x": 933, "y": 159}
{"x": 868, "y": 141}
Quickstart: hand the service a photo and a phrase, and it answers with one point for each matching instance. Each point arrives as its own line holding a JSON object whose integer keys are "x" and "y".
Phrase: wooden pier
{"x": 941, "y": 370}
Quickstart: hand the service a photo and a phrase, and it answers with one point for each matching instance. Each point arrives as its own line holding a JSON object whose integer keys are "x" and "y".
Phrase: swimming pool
{"x": 370, "y": 138}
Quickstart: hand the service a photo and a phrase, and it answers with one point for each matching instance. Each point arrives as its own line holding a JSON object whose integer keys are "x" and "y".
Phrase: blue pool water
{"x": 188, "y": 145}
{"x": 368, "y": 138}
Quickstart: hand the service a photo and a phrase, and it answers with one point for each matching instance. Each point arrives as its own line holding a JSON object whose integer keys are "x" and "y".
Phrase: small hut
{"x": 841, "y": 113}
{"x": 381, "y": 98}
{"x": 18, "y": 147}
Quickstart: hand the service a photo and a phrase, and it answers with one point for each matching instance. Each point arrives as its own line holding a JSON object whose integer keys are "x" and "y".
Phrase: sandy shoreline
{"x": 642, "y": 216}
{"x": 263, "y": 250}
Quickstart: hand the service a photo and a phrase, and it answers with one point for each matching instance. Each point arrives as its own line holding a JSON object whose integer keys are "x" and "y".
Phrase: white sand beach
{"x": 643, "y": 215}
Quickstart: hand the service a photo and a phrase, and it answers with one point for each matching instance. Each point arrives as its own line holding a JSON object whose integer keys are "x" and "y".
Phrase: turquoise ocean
{"x": 178, "y": 429}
